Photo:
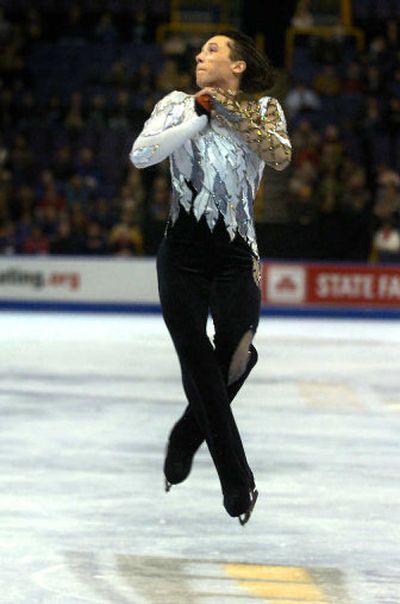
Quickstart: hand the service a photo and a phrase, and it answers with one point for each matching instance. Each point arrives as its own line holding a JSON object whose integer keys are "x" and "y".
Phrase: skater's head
{"x": 230, "y": 60}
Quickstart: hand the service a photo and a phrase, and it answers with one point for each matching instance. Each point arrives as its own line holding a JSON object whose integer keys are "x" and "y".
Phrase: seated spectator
{"x": 100, "y": 210}
{"x": 48, "y": 193}
{"x": 5, "y": 26}
{"x": 105, "y": 32}
{"x": 387, "y": 203}
{"x": 303, "y": 18}
{"x": 22, "y": 161}
{"x": 76, "y": 191}
{"x": 352, "y": 83}
{"x": 48, "y": 220}
{"x": 327, "y": 82}
{"x": 23, "y": 202}
{"x": 386, "y": 243}
{"x": 36, "y": 243}
{"x": 54, "y": 111}
{"x": 331, "y": 152}
{"x": 140, "y": 28}
{"x": 7, "y": 237}
{"x": 95, "y": 242}
{"x": 305, "y": 142}
{"x": 126, "y": 237}
{"x": 118, "y": 79}
{"x": 65, "y": 242}
{"x": 302, "y": 201}
{"x": 386, "y": 176}
{"x": 23, "y": 230}
{"x": 74, "y": 119}
{"x": 87, "y": 168}
{"x": 393, "y": 84}
{"x": 74, "y": 29}
{"x": 301, "y": 99}
{"x": 167, "y": 78}
{"x": 121, "y": 113}
{"x": 34, "y": 25}
{"x": 143, "y": 80}
{"x": 132, "y": 201}
{"x": 61, "y": 164}
{"x": 98, "y": 112}
{"x": 374, "y": 83}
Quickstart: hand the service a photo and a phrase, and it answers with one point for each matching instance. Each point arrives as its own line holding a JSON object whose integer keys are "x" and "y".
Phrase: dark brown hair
{"x": 259, "y": 74}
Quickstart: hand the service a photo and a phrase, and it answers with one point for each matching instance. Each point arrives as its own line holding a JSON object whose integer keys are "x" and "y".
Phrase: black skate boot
{"x": 240, "y": 504}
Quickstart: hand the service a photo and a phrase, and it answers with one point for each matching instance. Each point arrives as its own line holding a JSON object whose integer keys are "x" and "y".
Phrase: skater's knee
{"x": 190, "y": 345}
{"x": 244, "y": 354}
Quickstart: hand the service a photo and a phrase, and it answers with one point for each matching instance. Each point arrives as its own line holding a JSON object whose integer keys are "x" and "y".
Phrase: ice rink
{"x": 86, "y": 403}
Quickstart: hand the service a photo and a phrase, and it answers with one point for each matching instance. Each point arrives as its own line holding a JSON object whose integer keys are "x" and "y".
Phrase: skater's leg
{"x": 183, "y": 295}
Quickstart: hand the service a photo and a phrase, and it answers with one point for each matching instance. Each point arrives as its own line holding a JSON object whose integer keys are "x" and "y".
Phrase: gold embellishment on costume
{"x": 257, "y": 271}
{"x": 263, "y": 132}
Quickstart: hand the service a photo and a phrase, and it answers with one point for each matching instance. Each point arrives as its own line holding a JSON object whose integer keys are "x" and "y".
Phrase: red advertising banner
{"x": 330, "y": 284}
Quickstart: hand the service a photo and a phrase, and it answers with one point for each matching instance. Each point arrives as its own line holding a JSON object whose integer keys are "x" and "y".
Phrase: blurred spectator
{"x": 158, "y": 204}
{"x": 168, "y": 78}
{"x": 126, "y": 238}
{"x": 393, "y": 84}
{"x": 54, "y": 112}
{"x": 88, "y": 170}
{"x": 352, "y": 82}
{"x": 36, "y": 243}
{"x": 392, "y": 122}
{"x": 62, "y": 166}
{"x": 140, "y": 29}
{"x": 302, "y": 201}
{"x": 95, "y": 242}
{"x": 387, "y": 203}
{"x": 7, "y": 237}
{"x": 74, "y": 118}
{"x": 73, "y": 29}
{"x": 65, "y": 242}
{"x": 23, "y": 230}
{"x": 386, "y": 243}
{"x": 33, "y": 25}
{"x": 143, "y": 80}
{"x": 118, "y": 79}
{"x": 76, "y": 191}
{"x": 374, "y": 82}
{"x": 303, "y": 17}
{"x": 121, "y": 114}
{"x": 22, "y": 161}
{"x": 327, "y": 82}
{"x": 301, "y": 99}
{"x": 105, "y": 31}
{"x": 5, "y": 26}
{"x": 97, "y": 113}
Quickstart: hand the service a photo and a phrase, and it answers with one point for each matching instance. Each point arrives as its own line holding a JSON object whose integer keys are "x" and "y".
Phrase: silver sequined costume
{"x": 212, "y": 157}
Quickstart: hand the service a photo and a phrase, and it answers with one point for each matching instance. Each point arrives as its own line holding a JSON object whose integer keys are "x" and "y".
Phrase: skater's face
{"x": 214, "y": 66}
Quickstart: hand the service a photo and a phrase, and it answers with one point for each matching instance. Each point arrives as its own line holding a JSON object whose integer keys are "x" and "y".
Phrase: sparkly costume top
{"x": 209, "y": 157}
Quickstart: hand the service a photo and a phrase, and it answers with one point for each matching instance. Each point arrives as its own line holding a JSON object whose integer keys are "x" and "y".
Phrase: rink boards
{"x": 130, "y": 284}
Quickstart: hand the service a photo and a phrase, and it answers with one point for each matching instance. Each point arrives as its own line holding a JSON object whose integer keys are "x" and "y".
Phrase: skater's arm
{"x": 173, "y": 121}
{"x": 262, "y": 125}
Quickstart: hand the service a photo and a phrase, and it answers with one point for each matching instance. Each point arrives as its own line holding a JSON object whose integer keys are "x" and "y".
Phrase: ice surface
{"x": 86, "y": 403}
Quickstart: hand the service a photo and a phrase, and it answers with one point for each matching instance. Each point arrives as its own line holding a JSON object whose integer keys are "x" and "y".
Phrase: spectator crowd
{"x": 78, "y": 81}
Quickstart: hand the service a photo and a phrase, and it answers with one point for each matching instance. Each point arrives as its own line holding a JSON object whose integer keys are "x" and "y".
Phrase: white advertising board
{"x": 78, "y": 280}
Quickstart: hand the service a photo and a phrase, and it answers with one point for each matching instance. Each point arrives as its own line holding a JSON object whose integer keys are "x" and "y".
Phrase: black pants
{"x": 200, "y": 271}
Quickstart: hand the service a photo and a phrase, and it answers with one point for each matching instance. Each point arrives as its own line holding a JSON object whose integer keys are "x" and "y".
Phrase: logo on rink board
{"x": 330, "y": 284}
{"x": 284, "y": 284}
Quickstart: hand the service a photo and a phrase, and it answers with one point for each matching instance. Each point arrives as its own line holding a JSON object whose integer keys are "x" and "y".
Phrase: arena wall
{"x": 130, "y": 284}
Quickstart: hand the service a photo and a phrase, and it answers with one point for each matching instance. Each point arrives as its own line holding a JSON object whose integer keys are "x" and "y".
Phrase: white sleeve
{"x": 281, "y": 127}
{"x": 172, "y": 122}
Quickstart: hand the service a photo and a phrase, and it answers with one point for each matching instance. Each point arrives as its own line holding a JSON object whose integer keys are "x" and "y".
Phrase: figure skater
{"x": 218, "y": 142}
